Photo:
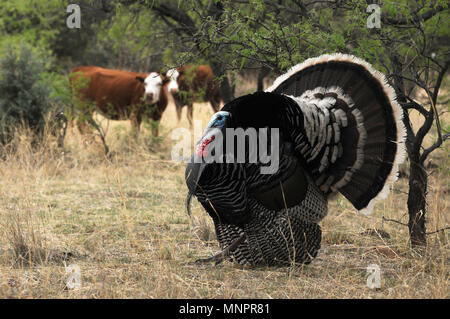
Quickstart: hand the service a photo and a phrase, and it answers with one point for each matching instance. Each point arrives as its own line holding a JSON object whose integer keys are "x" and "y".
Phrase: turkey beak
{"x": 193, "y": 174}
{"x": 188, "y": 202}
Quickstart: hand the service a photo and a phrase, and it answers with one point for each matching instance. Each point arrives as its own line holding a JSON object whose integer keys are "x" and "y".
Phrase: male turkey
{"x": 340, "y": 130}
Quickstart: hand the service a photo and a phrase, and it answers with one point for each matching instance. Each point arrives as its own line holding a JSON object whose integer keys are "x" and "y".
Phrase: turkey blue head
{"x": 215, "y": 128}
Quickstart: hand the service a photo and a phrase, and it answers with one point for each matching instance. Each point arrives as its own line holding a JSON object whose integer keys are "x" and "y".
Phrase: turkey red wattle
{"x": 202, "y": 151}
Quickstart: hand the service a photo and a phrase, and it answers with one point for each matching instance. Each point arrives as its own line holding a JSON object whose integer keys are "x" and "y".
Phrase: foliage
{"x": 127, "y": 40}
{"x": 25, "y": 98}
{"x": 37, "y": 23}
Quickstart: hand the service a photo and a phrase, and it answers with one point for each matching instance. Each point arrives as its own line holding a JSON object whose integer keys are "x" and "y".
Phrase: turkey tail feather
{"x": 352, "y": 135}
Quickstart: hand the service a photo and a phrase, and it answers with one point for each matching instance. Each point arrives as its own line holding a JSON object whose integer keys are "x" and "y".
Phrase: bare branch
{"x": 433, "y": 147}
{"x": 439, "y": 230}
{"x": 416, "y": 106}
{"x": 434, "y": 114}
{"x": 439, "y": 81}
{"x": 178, "y": 15}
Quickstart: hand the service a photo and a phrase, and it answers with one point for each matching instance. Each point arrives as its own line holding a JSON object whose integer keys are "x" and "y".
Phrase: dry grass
{"x": 123, "y": 222}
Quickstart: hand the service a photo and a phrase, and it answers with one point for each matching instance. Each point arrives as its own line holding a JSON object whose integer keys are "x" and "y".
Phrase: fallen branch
{"x": 394, "y": 221}
{"x": 439, "y": 230}
{"x": 404, "y": 224}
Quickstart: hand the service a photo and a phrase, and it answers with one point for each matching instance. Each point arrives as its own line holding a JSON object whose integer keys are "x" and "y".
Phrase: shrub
{"x": 24, "y": 94}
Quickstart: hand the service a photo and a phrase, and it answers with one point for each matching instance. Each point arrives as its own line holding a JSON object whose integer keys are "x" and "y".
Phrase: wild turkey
{"x": 340, "y": 130}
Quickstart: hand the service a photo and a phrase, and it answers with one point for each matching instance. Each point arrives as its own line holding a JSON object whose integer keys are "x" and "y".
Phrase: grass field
{"x": 123, "y": 223}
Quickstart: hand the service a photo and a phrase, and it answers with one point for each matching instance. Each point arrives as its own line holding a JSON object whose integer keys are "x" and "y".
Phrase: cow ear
{"x": 140, "y": 79}
{"x": 164, "y": 74}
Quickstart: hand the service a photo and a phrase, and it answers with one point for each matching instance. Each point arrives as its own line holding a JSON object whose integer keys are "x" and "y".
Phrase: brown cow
{"x": 121, "y": 95}
{"x": 195, "y": 84}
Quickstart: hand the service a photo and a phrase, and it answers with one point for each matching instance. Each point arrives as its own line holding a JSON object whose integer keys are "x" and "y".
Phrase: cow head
{"x": 152, "y": 84}
{"x": 173, "y": 74}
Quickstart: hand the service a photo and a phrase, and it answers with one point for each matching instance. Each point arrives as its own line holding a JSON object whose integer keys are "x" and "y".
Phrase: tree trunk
{"x": 225, "y": 88}
{"x": 417, "y": 204}
{"x": 261, "y": 75}
{"x": 417, "y": 175}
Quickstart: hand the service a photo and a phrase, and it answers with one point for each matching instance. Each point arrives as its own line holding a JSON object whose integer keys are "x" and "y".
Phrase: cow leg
{"x": 71, "y": 117}
{"x": 136, "y": 125}
{"x": 155, "y": 128}
{"x": 190, "y": 114}
{"x": 83, "y": 124}
{"x": 179, "y": 108}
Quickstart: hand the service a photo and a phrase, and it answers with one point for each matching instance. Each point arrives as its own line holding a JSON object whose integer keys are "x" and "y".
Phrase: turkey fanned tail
{"x": 348, "y": 126}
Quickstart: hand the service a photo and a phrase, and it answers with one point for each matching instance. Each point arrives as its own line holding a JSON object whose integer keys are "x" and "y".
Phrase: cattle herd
{"x": 126, "y": 95}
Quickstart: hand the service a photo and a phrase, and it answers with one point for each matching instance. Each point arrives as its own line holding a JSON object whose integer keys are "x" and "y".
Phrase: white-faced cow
{"x": 122, "y": 95}
{"x": 195, "y": 84}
